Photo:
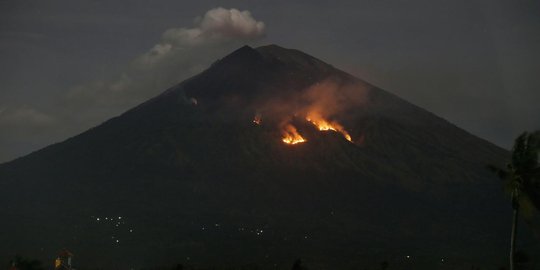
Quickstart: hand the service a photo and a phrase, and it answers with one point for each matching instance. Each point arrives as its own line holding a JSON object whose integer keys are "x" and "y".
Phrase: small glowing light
{"x": 130, "y": 230}
{"x": 117, "y": 241}
{"x": 119, "y": 217}
{"x": 97, "y": 219}
{"x": 408, "y": 257}
{"x": 257, "y": 119}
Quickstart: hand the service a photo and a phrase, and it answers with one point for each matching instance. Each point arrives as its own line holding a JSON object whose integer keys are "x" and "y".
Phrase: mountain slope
{"x": 196, "y": 181}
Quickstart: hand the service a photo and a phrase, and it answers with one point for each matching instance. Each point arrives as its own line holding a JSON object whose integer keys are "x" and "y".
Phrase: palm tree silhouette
{"x": 521, "y": 179}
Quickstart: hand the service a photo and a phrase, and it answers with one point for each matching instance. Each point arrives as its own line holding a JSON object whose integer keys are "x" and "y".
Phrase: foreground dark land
{"x": 523, "y": 261}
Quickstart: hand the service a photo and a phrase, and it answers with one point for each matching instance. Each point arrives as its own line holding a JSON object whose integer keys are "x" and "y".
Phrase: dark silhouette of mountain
{"x": 188, "y": 177}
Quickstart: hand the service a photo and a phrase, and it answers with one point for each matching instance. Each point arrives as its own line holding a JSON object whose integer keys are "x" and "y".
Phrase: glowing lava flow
{"x": 291, "y": 135}
{"x": 323, "y": 125}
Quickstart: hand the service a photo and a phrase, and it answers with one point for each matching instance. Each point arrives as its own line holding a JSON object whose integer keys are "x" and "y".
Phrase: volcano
{"x": 207, "y": 174}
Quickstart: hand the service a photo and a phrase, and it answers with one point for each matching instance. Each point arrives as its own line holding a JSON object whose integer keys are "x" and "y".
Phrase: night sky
{"x": 67, "y": 65}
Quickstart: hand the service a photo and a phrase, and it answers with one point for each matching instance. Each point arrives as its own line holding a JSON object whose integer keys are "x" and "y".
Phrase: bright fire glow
{"x": 291, "y": 135}
{"x": 322, "y": 124}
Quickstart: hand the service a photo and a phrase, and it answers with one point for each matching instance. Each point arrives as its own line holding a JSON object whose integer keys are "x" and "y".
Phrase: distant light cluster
{"x": 255, "y": 231}
{"x": 115, "y": 223}
{"x": 117, "y": 226}
{"x": 258, "y": 231}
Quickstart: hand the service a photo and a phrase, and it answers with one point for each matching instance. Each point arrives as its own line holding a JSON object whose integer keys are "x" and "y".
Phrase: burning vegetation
{"x": 291, "y": 135}
{"x": 324, "y": 125}
{"x": 322, "y": 105}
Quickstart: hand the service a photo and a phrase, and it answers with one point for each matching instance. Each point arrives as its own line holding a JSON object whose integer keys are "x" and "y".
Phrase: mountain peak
{"x": 241, "y": 56}
{"x": 293, "y": 57}
{"x": 271, "y": 47}
{"x": 244, "y": 50}
{"x": 265, "y": 132}
{"x": 245, "y": 70}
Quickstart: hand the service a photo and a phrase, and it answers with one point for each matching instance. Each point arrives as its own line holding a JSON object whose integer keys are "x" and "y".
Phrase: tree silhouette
{"x": 521, "y": 259}
{"x": 298, "y": 265}
{"x": 521, "y": 178}
{"x": 21, "y": 263}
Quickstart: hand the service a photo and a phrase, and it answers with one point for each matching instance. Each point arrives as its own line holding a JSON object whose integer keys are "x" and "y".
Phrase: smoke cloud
{"x": 330, "y": 98}
{"x": 216, "y": 27}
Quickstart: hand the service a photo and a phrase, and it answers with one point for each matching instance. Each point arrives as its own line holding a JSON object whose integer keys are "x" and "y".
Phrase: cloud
{"x": 217, "y": 26}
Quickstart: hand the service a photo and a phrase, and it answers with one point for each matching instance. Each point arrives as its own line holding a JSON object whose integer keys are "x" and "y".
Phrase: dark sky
{"x": 69, "y": 65}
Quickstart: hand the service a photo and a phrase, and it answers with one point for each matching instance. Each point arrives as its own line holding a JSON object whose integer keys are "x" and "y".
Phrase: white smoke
{"x": 217, "y": 27}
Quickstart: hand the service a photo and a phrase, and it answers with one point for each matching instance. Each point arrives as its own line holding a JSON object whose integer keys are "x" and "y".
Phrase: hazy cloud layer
{"x": 21, "y": 127}
{"x": 23, "y": 116}
{"x": 180, "y": 53}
